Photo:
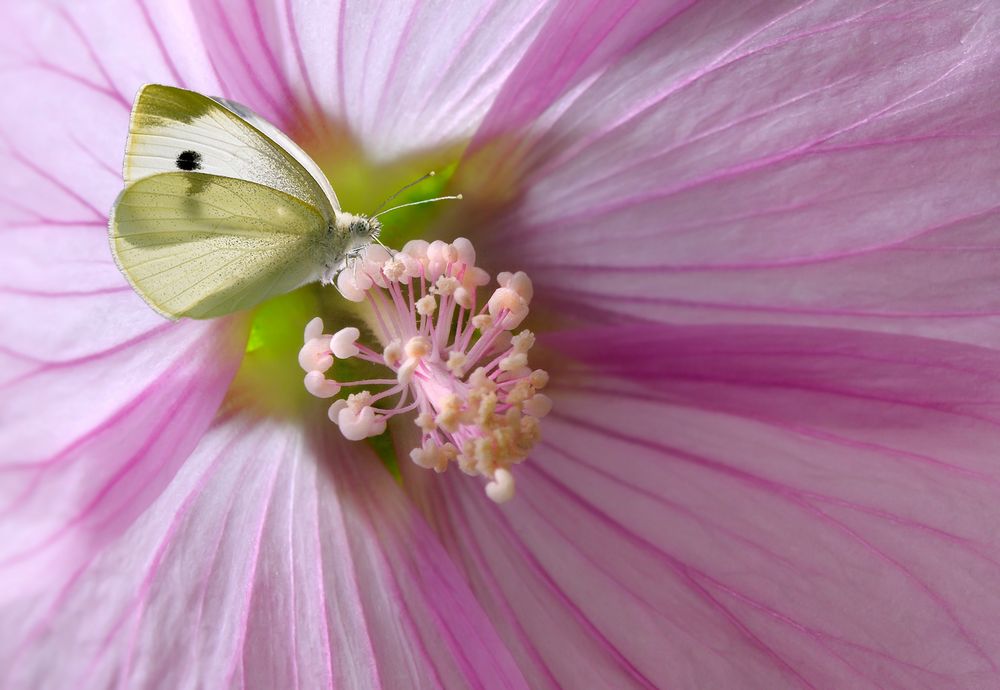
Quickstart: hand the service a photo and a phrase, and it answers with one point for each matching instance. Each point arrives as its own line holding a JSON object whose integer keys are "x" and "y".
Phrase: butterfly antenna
{"x": 417, "y": 203}
{"x": 378, "y": 241}
{"x": 403, "y": 189}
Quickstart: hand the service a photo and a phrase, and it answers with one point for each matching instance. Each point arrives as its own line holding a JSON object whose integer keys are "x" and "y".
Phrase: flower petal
{"x": 401, "y": 76}
{"x": 826, "y": 162}
{"x": 751, "y": 507}
{"x": 272, "y": 561}
{"x": 101, "y": 398}
{"x": 580, "y": 40}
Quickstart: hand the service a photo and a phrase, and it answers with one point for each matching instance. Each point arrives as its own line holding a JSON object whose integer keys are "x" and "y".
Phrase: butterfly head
{"x": 363, "y": 230}
{"x": 346, "y": 238}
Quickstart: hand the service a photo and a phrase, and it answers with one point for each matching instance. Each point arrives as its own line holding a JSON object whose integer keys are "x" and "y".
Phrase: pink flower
{"x": 761, "y": 237}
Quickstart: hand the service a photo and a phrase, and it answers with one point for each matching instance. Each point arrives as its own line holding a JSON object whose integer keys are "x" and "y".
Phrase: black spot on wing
{"x": 189, "y": 160}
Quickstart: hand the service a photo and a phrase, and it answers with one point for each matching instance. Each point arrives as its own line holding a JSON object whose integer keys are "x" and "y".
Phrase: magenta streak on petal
{"x": 55, "y": 181}
{"x": 798, "y": 152}
{"x": 142, "y": 598}
{"x": 67, "y": 589}
{"x": 711, "y": 222}
{"x": 292, "y": 585}
{"x": 59, "y": 71}
{"x": 806, "y": 149}
{"x": 567, "y": 155}
{"x": 903, "y": 455}
{"x": 54, "y": 364}
{"x": 539, "y": 81}
{"x": 222, "y": 19}
{"x": 158, "y": 38}
{"x": 212, "y": 558}
{"x": 249, "y": 69}
{"x": 44, "y": 622}
{"x": 396, "y": 56}
{"x": 470, "y": 547}
{"x": 141, "y": 595}
{"x": 470, "y": 668}
{"x": 98, "y": 160}
{"x": 272, "y": 61}
{"x": 836, "y": 440}
{"x": 321, "y": 588}
{"x": 365, "y": 78}
{"x": 966, "y": 543}
{"x": 490, "y": 66}
{"x": 700, "y": 349}
{"x": 120, "y": 474}
{"x": 411, "y": 626}
{"x": 341, "y": 74}
{"x": 792, "y": 495}
{"x": 793, "y": 262}
{"x": 108, "y": 423}
{"x": 63, "y": 294}
{"x": 88, "y": 46}
{"x": 223, "y": 83}
{"x": 674, "y": 506}
{"x": 820, "y": 636}
{"x": 766, "y": 356}
{"x": 300, "y": 62}
{"x": 429, "y": 572}
{"x": 525, "y": 96}
{"x": 354, "y": 585}
{"x": 499, "y": 518}
{"x": 851, "y": 394}
{"x": 683, "y": 571}
{"x": 258, "y": 540}
{"x": 459, "y": 50}
{"x": 44, "y": 222}
{"x": 820, "y": 351}
{"x": 414, "y": 632}
{"x": 572, "y": 296}
{"x": 637, "y": 163}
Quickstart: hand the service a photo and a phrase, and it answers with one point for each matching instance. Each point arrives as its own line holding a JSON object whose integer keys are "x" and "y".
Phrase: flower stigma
{"x": 457, "y": 367}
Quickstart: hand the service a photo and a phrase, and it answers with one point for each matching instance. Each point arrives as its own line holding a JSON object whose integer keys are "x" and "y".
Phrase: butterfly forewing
{"x": 285, "y": 142}
{"x": 200, "y": 245}
{"x": 175, "y": 130}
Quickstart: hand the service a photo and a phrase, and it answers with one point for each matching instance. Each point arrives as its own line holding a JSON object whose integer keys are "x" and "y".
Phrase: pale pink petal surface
{"x": 823, "y": 500}
{"x": 701, "y": 178}
{"x": 269, "y": 562}
{"x": 102, "y": 399}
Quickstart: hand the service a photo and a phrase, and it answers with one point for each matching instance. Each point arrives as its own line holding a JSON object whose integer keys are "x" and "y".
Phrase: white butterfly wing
{"x": 283, "y": 140}
{"x": 199, "y": 245}
{"x": 175, "y": 130}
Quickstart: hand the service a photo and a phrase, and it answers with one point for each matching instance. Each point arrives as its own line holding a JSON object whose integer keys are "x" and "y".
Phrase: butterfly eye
{"x": 361, "y": 227}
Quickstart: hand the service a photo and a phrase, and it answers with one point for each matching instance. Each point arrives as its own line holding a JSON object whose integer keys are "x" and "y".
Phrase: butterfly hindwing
{"x": 200, "y": 245}
{"x": 175, "y": 130}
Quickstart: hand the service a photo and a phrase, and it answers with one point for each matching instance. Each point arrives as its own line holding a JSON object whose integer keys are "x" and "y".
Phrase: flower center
{"x": 457, "y": 367}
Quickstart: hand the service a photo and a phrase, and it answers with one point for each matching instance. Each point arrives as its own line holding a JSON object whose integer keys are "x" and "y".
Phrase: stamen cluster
{"x": 458, "y": 367}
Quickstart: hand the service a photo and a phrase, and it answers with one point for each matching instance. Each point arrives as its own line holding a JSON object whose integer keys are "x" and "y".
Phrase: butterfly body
{"x": 221, "y": 210}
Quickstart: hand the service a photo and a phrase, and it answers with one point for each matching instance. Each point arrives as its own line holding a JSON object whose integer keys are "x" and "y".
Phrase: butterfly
{"x": 221, "y": 210}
